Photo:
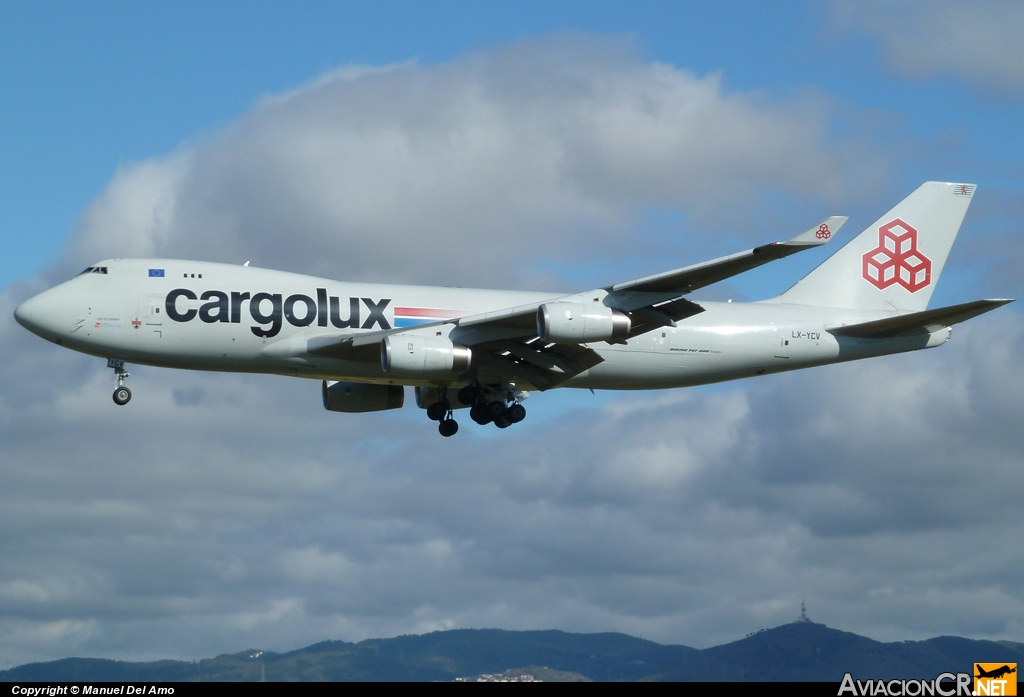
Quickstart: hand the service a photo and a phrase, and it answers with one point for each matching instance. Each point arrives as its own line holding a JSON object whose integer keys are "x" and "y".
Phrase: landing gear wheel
{"x": 515, "y": 413}
{"x": 448, "y": 428}
{"x": 122, "y": 395}
{"x": 496, "y": 409}
{"x": 469, "y": 394}
{"x": 438, "y": 410}
{"x": 480, "y": 414}
{"x": 502, "y": 422}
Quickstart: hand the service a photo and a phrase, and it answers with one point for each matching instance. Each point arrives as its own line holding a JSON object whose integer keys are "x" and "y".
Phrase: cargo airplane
{"x": 485, "y": 350}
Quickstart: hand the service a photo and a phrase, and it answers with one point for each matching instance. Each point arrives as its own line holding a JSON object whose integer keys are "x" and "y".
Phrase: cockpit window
{"x": 94, "y": 269}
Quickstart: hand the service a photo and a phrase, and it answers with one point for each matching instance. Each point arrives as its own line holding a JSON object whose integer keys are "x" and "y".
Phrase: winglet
{"x": 819, "y": 234}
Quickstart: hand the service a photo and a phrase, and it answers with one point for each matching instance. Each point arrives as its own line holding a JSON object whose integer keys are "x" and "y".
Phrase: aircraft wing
{"x": 652, "y": 301}
{"x": 690, "y": 278}
{"x": 506, "y": 342}
{"x": 354, "y": 346}
{"x": 931, "y": 320}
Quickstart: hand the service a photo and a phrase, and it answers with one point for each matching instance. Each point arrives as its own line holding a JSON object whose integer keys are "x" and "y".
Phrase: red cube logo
{"x": 896, "y": 259}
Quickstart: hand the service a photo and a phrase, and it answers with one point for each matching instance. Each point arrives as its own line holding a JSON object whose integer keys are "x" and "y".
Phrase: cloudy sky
{"x": 519, "y": 146}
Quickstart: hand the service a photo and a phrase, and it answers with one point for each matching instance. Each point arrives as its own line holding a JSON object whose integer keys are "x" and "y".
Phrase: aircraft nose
{"x": 46, "y": 314}
{"x": 23, "y": 314}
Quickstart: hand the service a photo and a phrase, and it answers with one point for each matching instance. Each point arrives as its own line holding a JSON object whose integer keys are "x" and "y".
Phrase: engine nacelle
{"x": 357, "y": 397}
{"x": 573, "y": 323}
{"x": 412, "y": 354}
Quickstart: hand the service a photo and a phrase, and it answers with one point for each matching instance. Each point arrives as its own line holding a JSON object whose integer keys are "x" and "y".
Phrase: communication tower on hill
{"x": 803, "y": 612}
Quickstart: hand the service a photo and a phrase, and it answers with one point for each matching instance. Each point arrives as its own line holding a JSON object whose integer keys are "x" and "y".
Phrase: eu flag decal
{"x": 156, "y": 273}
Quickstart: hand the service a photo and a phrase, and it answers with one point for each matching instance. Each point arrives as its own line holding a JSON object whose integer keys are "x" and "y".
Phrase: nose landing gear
{"x": 122, "y": 395}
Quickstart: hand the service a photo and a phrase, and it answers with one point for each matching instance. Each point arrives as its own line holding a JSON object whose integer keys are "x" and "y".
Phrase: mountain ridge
{"x": 801, "y": 651}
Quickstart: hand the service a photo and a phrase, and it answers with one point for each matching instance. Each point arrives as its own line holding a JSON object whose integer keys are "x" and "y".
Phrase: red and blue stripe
{"x": 415, "y": 316}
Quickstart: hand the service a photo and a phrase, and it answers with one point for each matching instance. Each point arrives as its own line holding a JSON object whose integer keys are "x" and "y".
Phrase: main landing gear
{"x": 502, "y": 411}
{"x": 122, "y": 395}
{"x": 498, "y": 413}
{"x": 448, "y": 428}
{"x": 442, "y": 411}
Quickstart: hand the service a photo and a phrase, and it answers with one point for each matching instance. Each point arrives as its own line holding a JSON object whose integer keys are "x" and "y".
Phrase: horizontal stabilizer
{"x": 928, "y": 320}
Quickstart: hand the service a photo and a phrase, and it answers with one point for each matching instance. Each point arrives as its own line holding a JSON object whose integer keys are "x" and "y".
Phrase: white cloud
{"x": 468, "y": 172}
{"x": 977, "y": 41}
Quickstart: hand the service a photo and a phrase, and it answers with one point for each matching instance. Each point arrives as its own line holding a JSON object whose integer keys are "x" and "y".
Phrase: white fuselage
{"x": 243, "y": 319}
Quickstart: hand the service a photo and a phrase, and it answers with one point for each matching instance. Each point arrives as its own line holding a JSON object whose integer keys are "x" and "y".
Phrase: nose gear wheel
{"x": 122, "y": 395}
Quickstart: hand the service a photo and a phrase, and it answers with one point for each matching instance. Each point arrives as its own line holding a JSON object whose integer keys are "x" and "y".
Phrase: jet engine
{"x": 412, "y": 354}
{"x": 573, "y": 323}
{"x": 358, "y": 397}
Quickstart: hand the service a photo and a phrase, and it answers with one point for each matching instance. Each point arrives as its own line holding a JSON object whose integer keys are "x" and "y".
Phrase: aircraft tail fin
{"x": 895, "y": 263}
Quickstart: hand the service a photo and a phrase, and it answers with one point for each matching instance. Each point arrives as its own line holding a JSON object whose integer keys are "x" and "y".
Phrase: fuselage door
{"x": 782, "y": 345}
{"x": 153, "y": 313}
{"x": 149, "y": 317}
